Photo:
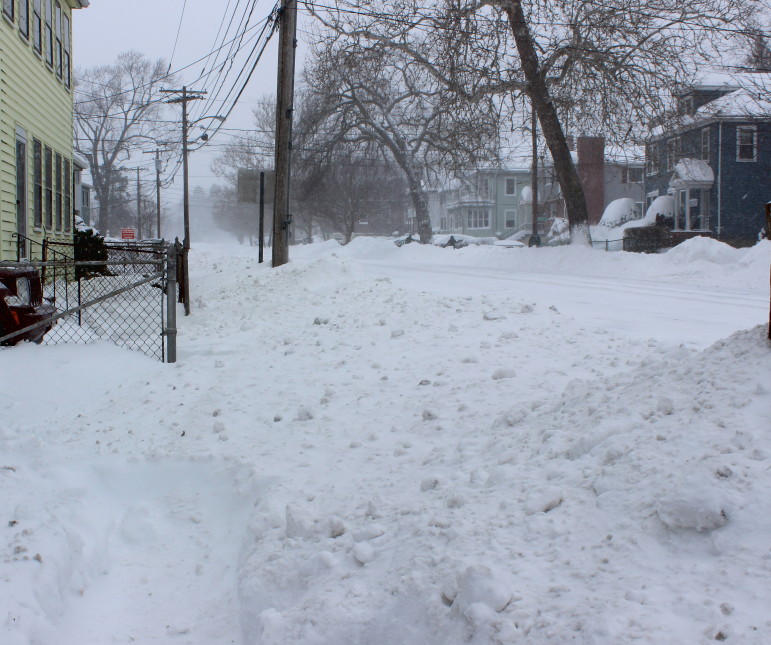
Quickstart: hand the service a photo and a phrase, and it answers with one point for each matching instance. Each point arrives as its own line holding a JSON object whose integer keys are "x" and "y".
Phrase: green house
{"x": 36, "y": 125}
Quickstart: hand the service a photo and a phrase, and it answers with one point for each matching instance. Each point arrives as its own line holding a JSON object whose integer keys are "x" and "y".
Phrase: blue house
{"x": 716, "y": 164}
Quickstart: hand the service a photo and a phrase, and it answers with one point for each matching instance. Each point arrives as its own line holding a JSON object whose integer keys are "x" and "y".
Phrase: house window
{"x": 511, "y": 219}
{"x": 58, "y": 192}
{"x": 67, "y": 196}
{"x": 37, "y": 170}
{"x": 477, "y": 218}
{"x": 8, "y": 9}
{"x": 363, "y": 219}
{"x": 484, "y": 188}
{"x": 49, "y": 35}
{"x": 443, "y": 223}
{"x": 705, "y": 144}
{"x": 67, "y": 50}
{"x": 24, "y": 18}
{"x": 746, "y": 143}
{"x": 634, "y": 174}
{"x": 58, "y": 48}
{"x": 49, "y": 187}
{"x": 673, "y": 153}
{"x": 511, "y": 186}
{"x": 37, "y": 26}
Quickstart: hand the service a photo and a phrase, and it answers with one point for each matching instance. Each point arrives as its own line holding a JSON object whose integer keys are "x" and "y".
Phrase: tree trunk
{"x": 420, "y": 205}
{"x": 567, "y": 175}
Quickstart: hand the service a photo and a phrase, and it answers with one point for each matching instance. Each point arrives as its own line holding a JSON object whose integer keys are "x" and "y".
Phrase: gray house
{"x": 490, "y": 202}
{"x": 716, "y": 163}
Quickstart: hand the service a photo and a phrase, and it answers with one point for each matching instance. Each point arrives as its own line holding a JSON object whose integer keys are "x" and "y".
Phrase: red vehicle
{"x": 21, "y": 305}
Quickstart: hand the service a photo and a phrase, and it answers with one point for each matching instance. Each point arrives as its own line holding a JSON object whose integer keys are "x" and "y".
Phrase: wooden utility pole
{"x": 158, "y": 168}
{"x": 262, "y": 217}
{"x": 139, "y": 208}
{"x": 284, "y": 108}
{"x": 186, "y": 96}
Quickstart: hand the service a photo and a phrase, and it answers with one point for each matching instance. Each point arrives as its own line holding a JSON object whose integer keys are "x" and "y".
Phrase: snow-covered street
{"x": 410, "y": 445}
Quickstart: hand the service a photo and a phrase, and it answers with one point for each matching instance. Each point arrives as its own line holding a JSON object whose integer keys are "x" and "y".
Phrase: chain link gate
{"x": 129, "y": 299}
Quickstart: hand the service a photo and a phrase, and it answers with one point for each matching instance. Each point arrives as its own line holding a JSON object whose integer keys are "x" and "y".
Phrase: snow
{"x": 618, "y": 212}
{"x": 694, "y": 171}
{"x": 662, "y": 205}
{"x": 376, "y": 444}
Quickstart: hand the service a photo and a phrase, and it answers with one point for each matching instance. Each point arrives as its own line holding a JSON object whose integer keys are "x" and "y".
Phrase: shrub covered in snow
{"x": 618, "y": 212}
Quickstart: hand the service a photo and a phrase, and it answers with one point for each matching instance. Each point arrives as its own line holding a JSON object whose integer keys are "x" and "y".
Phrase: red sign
{"x": 127, "y": 234}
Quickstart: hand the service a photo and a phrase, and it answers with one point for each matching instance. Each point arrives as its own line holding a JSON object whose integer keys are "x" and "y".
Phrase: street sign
{"x": 128, "y": 234}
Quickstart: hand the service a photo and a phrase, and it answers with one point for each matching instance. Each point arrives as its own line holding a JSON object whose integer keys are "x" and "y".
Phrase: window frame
{"x": 37, "y": 183}
{"x": 48, "y": 189}
{"x": 58, "y": 192}
{"x": 24, "y": 19}
{"x": 513, "y": 191}
{"x": 477, "y": 218}
{"x": 58, "y": 55}
{"x": 67, "y": 41}
{"x": 37, "y": 26}
{"x": 705, "y": 144}
{"x": 739, "y": 145}
{"x": 49, "y": 33}
{"x": 9, "y": 10}
{"x": 68, "y": 187}
{"x": 513, "y": 219}
{"x": 673, "y": 153}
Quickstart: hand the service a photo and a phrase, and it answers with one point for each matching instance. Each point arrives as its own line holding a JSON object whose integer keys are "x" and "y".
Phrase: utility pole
{"x": 262, "y": 216}
{"x": 186, "y": 96}
{"x": 284, "y": 108}
{"x": 139, "y": 208}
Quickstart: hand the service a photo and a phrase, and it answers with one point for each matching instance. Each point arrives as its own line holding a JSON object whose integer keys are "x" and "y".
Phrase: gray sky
{"x": 109, "y": 27}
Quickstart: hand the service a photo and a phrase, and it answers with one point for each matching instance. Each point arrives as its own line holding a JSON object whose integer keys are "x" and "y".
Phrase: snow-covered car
{"x": 407, "y": 239}
{"x": 22, "y": 306}
{"x": 509, "y": 243}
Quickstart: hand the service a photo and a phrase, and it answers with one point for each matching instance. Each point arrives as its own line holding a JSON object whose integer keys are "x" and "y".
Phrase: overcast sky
{"x": 109, "y": 27}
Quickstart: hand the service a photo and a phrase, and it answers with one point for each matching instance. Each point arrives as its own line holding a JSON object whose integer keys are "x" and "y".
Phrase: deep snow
{"x": 415, "y": 445}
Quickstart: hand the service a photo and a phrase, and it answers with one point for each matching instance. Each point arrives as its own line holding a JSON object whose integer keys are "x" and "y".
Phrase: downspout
{"x": 719, "y": 178}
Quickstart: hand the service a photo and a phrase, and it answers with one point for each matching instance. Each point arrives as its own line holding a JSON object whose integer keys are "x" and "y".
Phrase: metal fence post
{"x": 171, "y": 304}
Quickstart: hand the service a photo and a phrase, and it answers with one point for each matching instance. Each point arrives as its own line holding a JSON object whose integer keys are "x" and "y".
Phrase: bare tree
{"x": 353, "y": 187}
{"x": 251, "y": 149}
{"x": 588, "y": 66}
{"x": 371, "y": 95}
{"x": 118, "y": 108}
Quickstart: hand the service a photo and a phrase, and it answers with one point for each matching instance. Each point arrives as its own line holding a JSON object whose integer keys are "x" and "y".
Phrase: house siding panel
{"x": 34, "y": 99}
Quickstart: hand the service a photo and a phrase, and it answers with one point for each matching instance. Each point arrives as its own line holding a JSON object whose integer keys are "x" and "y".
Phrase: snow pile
{"x": 618, "y": 212}
{"x": 376, "y": 444}
{"x": 663, "y": 205}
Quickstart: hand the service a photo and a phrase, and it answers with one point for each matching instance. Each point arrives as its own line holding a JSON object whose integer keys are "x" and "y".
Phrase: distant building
{"x": 716, "y": 163}
{"x": 36, "y": 124}
{"x": 605, "y": 175}
{"x": 489, "y": 202}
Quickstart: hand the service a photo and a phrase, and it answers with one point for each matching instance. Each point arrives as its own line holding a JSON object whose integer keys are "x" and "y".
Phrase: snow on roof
{"x": 744, "y": 102}
{"x": 693, "y": 171}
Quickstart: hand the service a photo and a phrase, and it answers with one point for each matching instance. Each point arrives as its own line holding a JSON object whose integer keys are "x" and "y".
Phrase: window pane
{"x": 24, "y": 18}
{"x": 8, "y": 8}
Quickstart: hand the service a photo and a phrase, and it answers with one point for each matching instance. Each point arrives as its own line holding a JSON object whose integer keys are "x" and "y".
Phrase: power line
{"x": 179, "y": 29}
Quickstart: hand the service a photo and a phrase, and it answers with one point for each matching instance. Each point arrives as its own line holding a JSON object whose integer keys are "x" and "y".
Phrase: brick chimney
{"x": 591, "y": 172}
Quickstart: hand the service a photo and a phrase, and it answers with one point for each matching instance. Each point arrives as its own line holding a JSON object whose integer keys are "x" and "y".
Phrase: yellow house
{"x": 36, "y": 125}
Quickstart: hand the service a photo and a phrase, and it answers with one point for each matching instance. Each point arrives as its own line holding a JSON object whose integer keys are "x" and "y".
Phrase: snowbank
{"x": 375, "y": 444}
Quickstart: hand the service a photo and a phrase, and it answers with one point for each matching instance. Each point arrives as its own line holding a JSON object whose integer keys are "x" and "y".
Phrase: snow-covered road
{"x": 417, "y": 445}
{"x": 671, "y": 312}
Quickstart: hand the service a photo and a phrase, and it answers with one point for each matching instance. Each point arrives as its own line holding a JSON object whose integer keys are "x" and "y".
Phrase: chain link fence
{"x": 122, "y": 298}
